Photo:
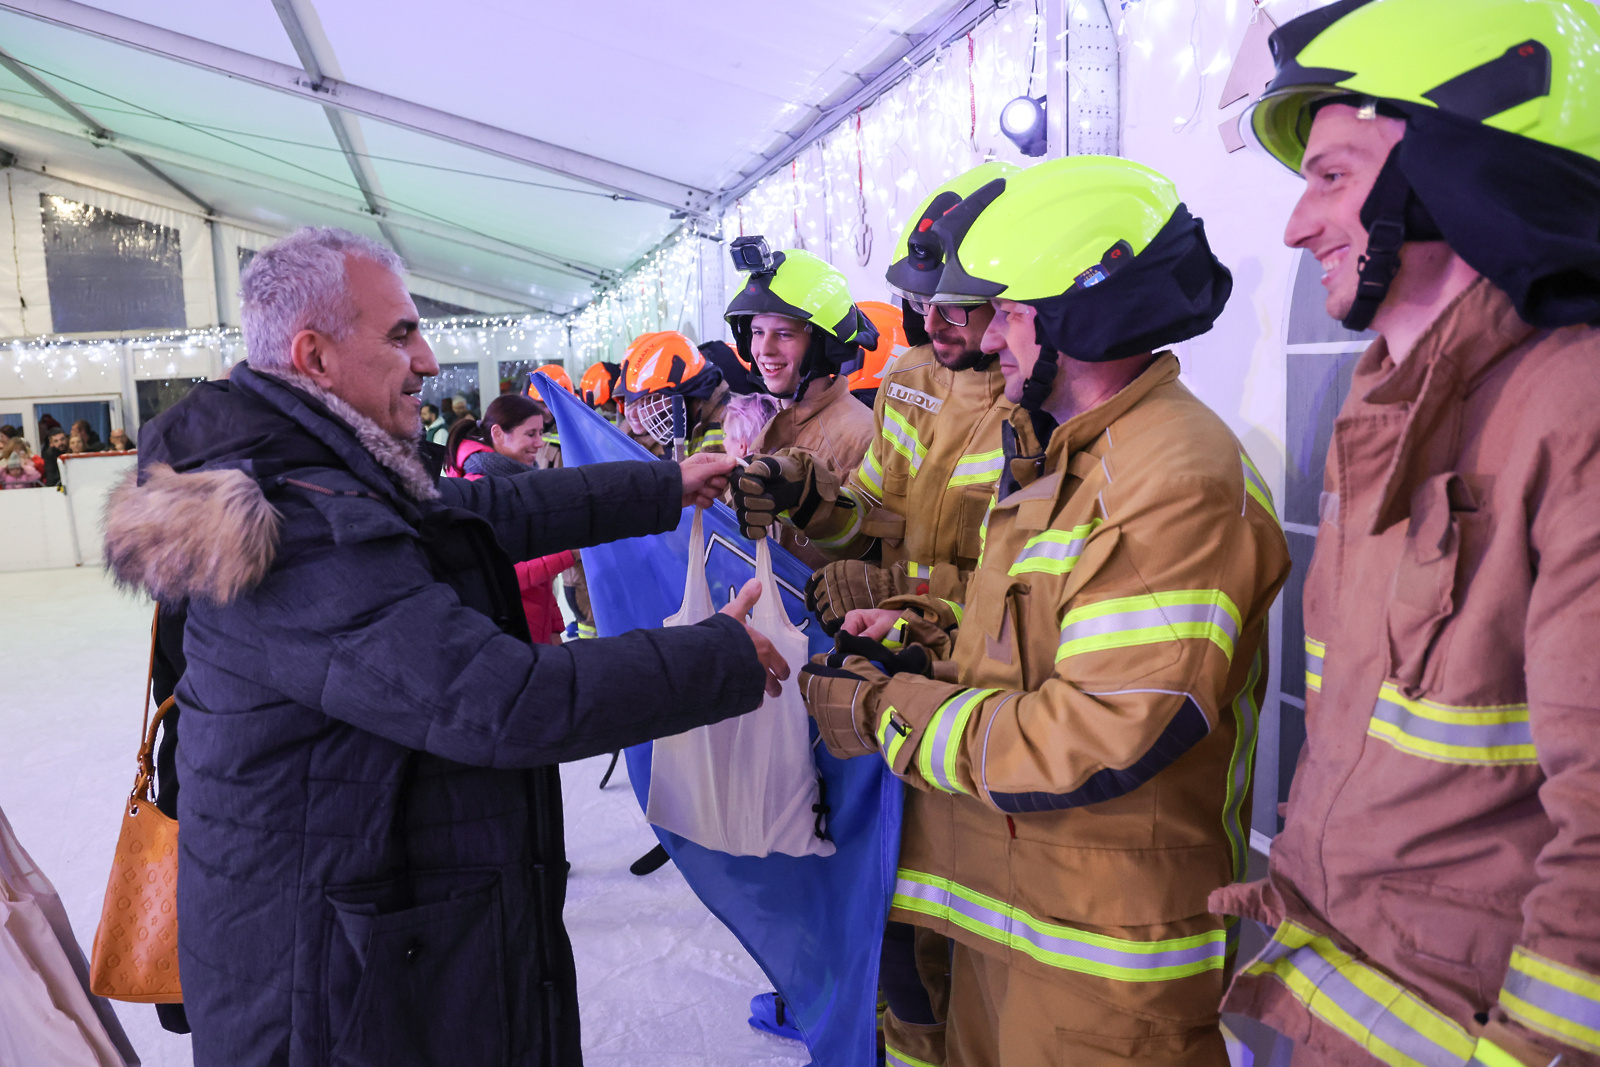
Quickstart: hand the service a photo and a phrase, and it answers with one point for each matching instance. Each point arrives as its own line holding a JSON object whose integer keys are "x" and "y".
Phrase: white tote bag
{"x": 47, "y": 1017}
{"x": 747, "y": 785}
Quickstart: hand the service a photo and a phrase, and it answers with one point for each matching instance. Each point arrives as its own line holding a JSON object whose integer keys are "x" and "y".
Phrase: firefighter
{"x": 1083, "y": 781}
{"x": 868, "y": 377}
{"x": 797, "y": 325}
{"x": 659, "y": 368}
{"x": 912, "y": 509}
{"x": 551, "y": 455}
{"x": 599, "y": 389}
{"x": 1434, "y": 889}
{"x": 908, "y": 517}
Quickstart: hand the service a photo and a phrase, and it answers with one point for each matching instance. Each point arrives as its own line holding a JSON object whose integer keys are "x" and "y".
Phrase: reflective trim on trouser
{"x": 1379, "y": 1014}
{"x": 1552, "y": 998}
{"x": 941, "y": 741}
{"x": 1498, "y": 735}
{"x": 893, "y": 1057}
{"x": 1315, "y": 650}
{"x": 1058, "y": 946}
{"x": 1053, "y": 551}
{"x": 1151, "y": 619}
{"x": 978, "y": 468}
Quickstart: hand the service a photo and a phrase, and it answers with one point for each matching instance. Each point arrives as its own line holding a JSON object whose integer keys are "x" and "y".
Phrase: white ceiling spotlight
{"x": 1023, "y": 121}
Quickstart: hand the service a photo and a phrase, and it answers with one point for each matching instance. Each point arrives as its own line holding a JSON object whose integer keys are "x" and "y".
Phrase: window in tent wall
{"x": 104, "y": 414}
{"x": 452, "y": 379}
{"x": 108, "y": 271}
{"x": 1321, "y": 358}
{"x": 156, "y": 396}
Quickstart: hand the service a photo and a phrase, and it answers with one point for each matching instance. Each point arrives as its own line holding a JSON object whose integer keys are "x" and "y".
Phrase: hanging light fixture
{"x": 1022, "y": 120}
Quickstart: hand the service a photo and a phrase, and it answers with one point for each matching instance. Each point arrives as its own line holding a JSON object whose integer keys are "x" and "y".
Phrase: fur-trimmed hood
{"x": 194, "y": 521}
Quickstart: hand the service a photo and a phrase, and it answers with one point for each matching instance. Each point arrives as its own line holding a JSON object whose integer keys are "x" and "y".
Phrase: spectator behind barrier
{"x": 18, "y": 469}
{"x": 91, "y": 440}
{"x": 56, "y": 445}
{"x": 120, "y": 442}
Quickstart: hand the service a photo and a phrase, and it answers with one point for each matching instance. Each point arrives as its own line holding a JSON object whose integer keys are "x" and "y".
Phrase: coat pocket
{"x": 428, "y": 981}
{"x": 1423, "y": 595}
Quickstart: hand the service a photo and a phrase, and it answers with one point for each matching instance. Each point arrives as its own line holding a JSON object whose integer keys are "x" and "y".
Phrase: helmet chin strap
{"x": 1037, "y": 388}
{"x": 1393, "y": 215}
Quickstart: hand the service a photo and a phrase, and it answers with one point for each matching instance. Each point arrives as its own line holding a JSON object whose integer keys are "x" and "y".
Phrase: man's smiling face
{"x": 1343, "y": 156}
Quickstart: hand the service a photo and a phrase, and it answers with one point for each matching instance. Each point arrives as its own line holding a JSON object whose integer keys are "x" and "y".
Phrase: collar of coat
{"x": 1080, "y": 430}
{"x": 1478, "y": 329}
{"x": 201, "y": 527}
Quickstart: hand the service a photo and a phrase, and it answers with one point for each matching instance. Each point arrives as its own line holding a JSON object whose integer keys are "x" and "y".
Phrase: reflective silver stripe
{"x": 1072, "y": 950}
{"x": 973, "y": 470}
{"x": 949, "y": 723}
{"x": 1055, "y": 546}
{"x": 1152, "y": 618}
{"x": 1383, "y": 1019}
{"x": 1553, "y": 998}
{"x": 1500, "y": 735}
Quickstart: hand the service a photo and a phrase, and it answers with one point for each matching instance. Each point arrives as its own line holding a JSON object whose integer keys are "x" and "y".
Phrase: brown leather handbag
{"x": 135, "y": 955}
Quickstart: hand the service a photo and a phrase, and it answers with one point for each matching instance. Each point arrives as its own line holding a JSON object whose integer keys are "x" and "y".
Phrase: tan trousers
{"x": 1004, "y": 1018}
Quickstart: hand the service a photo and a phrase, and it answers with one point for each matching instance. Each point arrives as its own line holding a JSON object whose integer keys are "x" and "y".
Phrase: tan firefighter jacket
{"x": 1087, "y": 782}
{"x": 834, "y": 429}
{"x": 923, "y": 486}
{"x": 1440, "y": 866}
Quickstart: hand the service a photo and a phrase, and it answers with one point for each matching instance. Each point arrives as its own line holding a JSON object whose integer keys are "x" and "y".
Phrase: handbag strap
{"x": 147, "y": 731}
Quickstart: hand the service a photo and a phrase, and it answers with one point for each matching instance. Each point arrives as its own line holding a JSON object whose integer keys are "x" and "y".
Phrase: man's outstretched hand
{"x": 739, "y": 608}
{"x": 705, "y": 476}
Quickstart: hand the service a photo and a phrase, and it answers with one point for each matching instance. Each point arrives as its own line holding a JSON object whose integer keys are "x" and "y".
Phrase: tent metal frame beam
{"x": 918, "y": 50}
{"x": 100, "y": 133}
{"x": 360, "y": 167}
{"x": 315, "y": 198}
{"x": 331, "y": 92}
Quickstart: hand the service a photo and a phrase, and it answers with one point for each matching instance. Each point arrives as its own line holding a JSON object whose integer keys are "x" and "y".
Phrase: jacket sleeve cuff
{"x": 1551, "y": 1006}
{"x": 906, "y": 707}
{"x": 752, "y": 676}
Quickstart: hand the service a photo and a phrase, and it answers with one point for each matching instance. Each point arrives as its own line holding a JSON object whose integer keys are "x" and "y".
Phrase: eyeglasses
{"x": 954, "y": 314}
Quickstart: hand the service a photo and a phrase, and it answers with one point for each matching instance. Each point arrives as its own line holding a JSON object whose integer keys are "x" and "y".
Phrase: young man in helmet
{"x": 797, "y": 325}
{"x": 664, "y": 374}
{"x": 1433, "y": 892}
{"x": 599, "y": 389}
{"x": 908, "y": 517}
{"x": 1081, "y": 762}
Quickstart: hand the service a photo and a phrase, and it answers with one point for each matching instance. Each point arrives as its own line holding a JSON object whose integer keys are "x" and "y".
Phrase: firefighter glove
{"x": 771, "y": 485}
{"x": 842, "y": 698}
{"x": 913, "y": 659}
{"x": 845, "y": 586}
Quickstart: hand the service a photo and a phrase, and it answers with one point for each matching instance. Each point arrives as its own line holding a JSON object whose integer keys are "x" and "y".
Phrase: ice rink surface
{"x": 661, "y": 982}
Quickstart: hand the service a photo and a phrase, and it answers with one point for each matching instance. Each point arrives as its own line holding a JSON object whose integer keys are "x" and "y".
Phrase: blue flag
{"x": 813, "y": 923}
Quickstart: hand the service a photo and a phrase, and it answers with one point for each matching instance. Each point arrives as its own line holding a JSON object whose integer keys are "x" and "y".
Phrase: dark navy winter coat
{"x": 371, "y": 862}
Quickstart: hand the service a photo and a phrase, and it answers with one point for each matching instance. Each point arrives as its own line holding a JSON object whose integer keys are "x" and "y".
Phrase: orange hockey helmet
{"x": 555, "y": 372}
{"x": 658, "y": 367}
{"x": 599, "y": 383}
{"x": 891, "y": 342}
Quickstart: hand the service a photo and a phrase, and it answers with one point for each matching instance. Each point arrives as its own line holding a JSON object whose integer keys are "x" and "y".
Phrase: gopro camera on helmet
{"x": 752, "y": 254}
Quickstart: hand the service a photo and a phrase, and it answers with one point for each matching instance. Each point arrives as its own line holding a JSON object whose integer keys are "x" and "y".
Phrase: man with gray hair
{"x": 372, "y": 867}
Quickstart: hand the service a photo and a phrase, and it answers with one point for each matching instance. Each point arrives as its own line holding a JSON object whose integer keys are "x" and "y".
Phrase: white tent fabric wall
{"x": 847, "y": 197}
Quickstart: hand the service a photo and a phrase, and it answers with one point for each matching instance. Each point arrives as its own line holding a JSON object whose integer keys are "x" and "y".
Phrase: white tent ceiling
{"x": 660, "y": 106}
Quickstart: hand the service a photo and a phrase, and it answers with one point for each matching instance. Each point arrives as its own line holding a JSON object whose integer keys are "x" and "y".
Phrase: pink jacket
{"x": 534, "y": 576}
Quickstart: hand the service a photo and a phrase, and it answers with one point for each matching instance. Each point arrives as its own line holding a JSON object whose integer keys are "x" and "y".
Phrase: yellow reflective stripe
{"x": 587, "y": 630}
{"x": 1208, "y": 614}
{"x": 893, "y": 1057}
{"x": 978, "y": 468}
{"x": 983, "y": 531}
{"x": 1498, "y": 735}
{"x": 889, "y": 736}
{"x": 1489, "y": 1054}
{"x": 851, "y": 518}
{"x": 1053, "y": 551}
{"x": 895, "y": 639}
{"x": 1315, "y": 650}
{"x": 941, "y": 740}
{"x": 552, "y": 438}
{"x": 1552, "y": 998}
{"x": 1390, "y": 1022}
{"x": 1065, "y": 947}
{"x": 955, "y": 609}
{"x": 1247, "y": 720}
{"x": 902, "y": 438}
{"x": 1256, "y": 486}
{"x": 917, "y": 570}
{"x": 870, "y": 473}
